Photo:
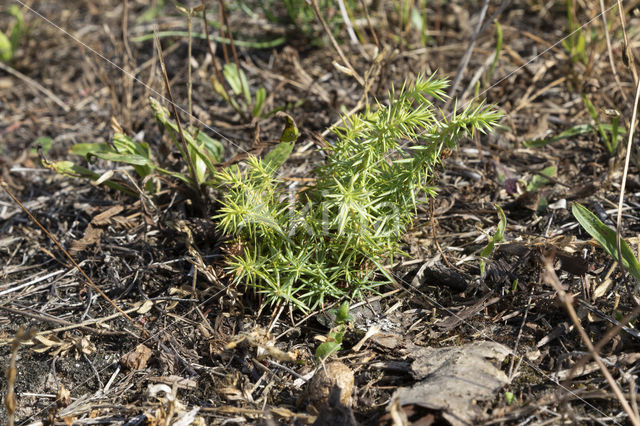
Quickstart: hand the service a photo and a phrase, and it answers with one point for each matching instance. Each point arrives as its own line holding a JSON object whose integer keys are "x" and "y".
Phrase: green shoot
{"x": 496, "y": 54}
{"x": 10, "y": 41}
{"x": 331, "y": 240}
{"x": 242, "y": 100}
{"x": 609, "y": 133}
{"x": 496, "y": 238}
{"x": 204, "y": 151}
{"x": 333, "y": 343}
{"x": 575, "y": 43}
{"x": 606, "y": 237}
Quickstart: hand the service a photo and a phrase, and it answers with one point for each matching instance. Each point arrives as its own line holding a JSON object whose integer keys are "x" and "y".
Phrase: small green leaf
{"x": 245, "y": 87}
{"x": 232, "y": 76}
{"x": 606, "y": 237}
{"x": 261, "y": 96}
{"x": 278, "y": 155}
{"x": 16, "y": 31}
{"x": 509, "y": 397}
{"x": 85, "y": 149}
{"x": 45, "y": 142}
{"x": 211, "y": 146}
{"x": 132, "y": 159}
{"x": 327, "y": 349}
{"x": 69, "y": 169}
{"x": 290, "y": 133}
{"x": 6, "y": 52}
{"x": 219, "y": 89}
{"x": 496, "y": 238}
{"x": 342, "y": 315}
{"x": 538, "y": 181}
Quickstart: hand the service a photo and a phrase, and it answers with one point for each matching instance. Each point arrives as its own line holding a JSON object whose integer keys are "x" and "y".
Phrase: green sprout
{"x": 10, "y": 40}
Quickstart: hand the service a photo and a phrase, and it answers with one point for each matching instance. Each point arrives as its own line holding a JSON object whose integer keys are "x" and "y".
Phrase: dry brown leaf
{"x": 63, "y": 397}
{"x": 91, "y": 236}
{"x": 138, "y": 358}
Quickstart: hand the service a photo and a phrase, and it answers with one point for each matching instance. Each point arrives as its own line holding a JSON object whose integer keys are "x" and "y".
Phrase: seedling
{"x": 496, "y": 238}
{"x": 237, "y": 81}
{"x": 204, "y": 151}
{"x": 333, "y": 342}
{"x": 607, "y": 238}
{"x": 509, "y": 397}
{"x": 10, "y": 40}
{"x": 575, "y": 42}
{"x": 609, "y": 132}
{"x": 330, "y": 240}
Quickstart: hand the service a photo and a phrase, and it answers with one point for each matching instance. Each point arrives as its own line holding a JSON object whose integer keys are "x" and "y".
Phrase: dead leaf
{"x": 138, "y": 358}
{"x": 453, "y": 379}
{"x": 63, "y": 397}
{"x": 91, "y": 236}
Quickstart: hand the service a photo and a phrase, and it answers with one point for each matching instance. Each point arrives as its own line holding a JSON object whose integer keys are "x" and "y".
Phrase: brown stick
{"x": 623, "y": 184}
{"x": 214, "y": 61}
{"x": 174, "y": 110}
{"x": 316, "y": 9}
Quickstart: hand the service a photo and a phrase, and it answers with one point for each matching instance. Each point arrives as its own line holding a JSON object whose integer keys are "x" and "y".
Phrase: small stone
{"x": 332, "y": 374}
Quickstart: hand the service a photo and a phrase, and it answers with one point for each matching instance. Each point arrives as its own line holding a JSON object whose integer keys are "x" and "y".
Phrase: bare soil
{"x": 202, "y": 336}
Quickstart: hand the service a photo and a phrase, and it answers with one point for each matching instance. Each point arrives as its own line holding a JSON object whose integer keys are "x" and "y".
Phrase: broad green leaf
{"x": 16, "y": 31}
{"x": 219, "y": 89}
{"x": 132, "y": 159}
{"x": 278, "y": 155}
{"x": 126, "y": 145}
{"x": 68, "y": 168}
{"x": 606, "y": 237}
{"x": 290, "y": 133}
{"x": 198, "y": 162}
{"x": 123, "y": 150}
{"x": 212, "y": 146}
{"x": 342, "y": 315}
{"x": 45, "y": 142}
{"x": 176, "y": 175}
{"x": 245, "y": 86}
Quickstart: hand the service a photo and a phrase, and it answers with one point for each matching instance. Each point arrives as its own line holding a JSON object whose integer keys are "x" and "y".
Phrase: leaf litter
{"x": 146, "y": 257}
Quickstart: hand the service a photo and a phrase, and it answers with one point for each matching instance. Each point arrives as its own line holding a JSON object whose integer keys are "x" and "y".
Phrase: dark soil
{"x": 204, "y": 336}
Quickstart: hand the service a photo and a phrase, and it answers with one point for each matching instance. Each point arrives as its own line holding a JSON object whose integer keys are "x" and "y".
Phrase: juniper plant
{"x": 331, "y": 240}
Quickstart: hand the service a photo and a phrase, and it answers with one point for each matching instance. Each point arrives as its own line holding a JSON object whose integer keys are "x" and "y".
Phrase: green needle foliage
{"x": 332, "y": 240}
